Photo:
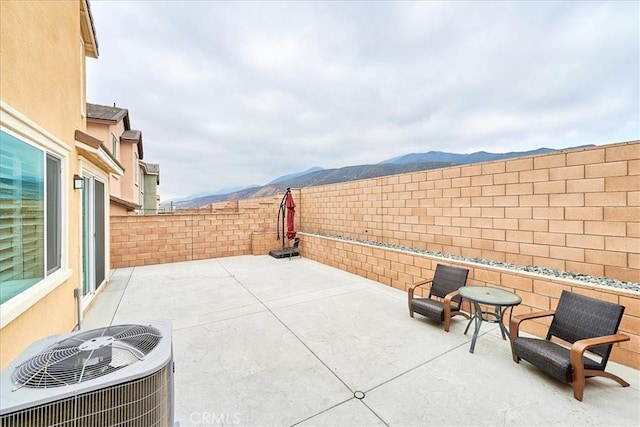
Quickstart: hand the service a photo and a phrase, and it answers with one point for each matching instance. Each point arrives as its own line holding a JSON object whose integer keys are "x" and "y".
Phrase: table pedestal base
{"x": 491, "y": 317}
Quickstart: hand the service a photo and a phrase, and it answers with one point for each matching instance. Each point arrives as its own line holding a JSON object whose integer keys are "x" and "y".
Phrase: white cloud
{"x": 238, "y": 93}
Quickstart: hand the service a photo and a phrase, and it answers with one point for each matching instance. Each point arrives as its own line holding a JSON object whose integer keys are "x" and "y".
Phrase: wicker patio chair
{"x": 443, "y": 301}
{"x": 583, "y": 322}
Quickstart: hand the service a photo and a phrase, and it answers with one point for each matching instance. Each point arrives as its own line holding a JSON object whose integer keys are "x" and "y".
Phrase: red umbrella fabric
{"x": 291, "y": 212}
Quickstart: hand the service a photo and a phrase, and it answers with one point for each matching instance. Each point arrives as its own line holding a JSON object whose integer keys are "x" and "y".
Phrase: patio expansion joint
{"x": 419, "y": 366}
{"x": 338, "y": 404}
{"x": 275, "y": 316}
{"x": 126, "y": 286}
{"x": 225, "y": 319}
{"x": 317, "y": 298}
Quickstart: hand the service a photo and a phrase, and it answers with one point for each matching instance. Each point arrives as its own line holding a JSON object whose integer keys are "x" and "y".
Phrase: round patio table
{"x": 500, "y": 299}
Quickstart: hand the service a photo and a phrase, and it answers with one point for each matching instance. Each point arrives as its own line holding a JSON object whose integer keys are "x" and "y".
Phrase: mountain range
{"x": 317, "y": 176}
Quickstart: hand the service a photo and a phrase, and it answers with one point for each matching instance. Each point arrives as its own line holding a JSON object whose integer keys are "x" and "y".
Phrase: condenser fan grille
{"x": 87, "y": 355}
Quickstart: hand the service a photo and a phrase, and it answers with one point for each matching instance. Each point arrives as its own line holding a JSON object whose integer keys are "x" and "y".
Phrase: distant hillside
{"x": 293, "y": 175}
{"x": 464, "y": 159}
{"x": 317, "y": 176}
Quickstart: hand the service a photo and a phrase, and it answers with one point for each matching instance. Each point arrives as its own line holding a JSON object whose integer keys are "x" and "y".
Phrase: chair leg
{"x": 578, "y": 377}
{"x": 409, "y": 299}
{"x": 579, "y": 380}
{"x": 593, "y": 373}
{"x": 578, "y": 389}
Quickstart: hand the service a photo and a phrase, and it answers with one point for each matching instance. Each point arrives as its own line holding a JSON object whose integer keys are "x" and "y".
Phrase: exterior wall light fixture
{"x": 78, "y": 182}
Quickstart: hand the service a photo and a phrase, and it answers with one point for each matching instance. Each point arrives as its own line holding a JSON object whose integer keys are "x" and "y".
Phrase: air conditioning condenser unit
{"x": 119, "y": 375}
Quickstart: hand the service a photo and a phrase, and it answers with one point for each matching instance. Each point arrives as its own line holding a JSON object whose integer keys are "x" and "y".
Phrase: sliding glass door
{"x": 93, "y": 236}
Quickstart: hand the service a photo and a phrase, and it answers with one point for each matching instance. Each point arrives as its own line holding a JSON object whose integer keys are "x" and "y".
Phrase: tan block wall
{"x": 401, "y": 269}
{"x": 225, "y": 229}
{"x": 577, "y": 210}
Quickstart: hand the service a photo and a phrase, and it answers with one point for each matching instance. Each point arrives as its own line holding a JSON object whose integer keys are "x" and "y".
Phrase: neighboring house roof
{"x": 133, "y": 135}
{"x": 152, "y": 169}
{"x": 109, "y": 114}
{"x": 97, "y": 152}
{"x": 88, "y": 30}
{"x": 125, "y": 204}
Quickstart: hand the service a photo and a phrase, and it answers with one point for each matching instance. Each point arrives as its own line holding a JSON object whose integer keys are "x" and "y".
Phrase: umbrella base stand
{"x": 282, "y": 253}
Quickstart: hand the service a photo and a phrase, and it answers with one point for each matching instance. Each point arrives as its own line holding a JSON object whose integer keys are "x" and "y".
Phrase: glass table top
{"x": 489, "y": 295}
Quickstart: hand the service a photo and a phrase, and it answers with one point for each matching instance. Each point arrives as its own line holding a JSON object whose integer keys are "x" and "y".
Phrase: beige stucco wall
{"x": 42, "y": 62}
{"x": 104, "y": 131}
{"x": 41, "y": 77}
{"x": 129, "y": 190}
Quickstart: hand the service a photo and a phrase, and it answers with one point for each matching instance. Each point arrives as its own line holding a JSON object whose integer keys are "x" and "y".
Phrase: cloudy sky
{"x": 232, "y": 94}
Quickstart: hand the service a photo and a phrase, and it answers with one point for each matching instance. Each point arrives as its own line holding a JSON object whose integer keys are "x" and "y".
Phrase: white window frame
{"x": 20, "y": 126}
{"x": 114, "y": 146}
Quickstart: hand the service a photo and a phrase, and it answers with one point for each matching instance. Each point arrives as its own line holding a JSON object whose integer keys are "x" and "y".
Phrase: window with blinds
{"x": 30, "y": 215}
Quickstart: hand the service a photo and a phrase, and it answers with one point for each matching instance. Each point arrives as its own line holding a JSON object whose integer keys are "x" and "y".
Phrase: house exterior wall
{"x": 42, "y": 78}
{"x": 28, "y": 47}
{"x": 117, "y": 210}
{"x": 129, "y": 189}
{"x": 577, "y": 210}
{"x": 150, "y": 194}
{"x": 105, "y": 132}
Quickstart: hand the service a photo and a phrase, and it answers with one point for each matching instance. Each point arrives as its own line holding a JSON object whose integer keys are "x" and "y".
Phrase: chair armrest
{"x": 449, "y": 297}
{"x": 418, "y": 284}
{"x": 580, "y": 346}
{"x": 413, "y": 287}
{"x": 579, "y": 372}
{"x": 447, "y": 303}
{"x": 514, "y": 326}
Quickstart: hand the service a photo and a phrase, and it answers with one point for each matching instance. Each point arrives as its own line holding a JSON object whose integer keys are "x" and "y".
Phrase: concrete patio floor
{"x": 263, "y": 341}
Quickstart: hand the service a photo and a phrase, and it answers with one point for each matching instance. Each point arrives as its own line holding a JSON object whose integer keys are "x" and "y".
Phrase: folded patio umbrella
{"x": 291, "y": 212}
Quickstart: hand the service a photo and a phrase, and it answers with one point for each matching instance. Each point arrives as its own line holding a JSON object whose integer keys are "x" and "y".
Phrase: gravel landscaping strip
{"x": 602, "y": 281}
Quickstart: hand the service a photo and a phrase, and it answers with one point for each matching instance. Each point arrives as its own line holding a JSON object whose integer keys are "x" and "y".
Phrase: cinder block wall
{"x": 401, "y": 269}
{"x": 577, "y": 210}
{"x": 225, "y": 229}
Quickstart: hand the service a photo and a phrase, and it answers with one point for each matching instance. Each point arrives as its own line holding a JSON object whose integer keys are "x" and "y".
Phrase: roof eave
{"x": 129, "y": 206}
{"x": 88, "y": 30}
{"x": 94, "y": 149}
{"x": 137, "y": 140}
